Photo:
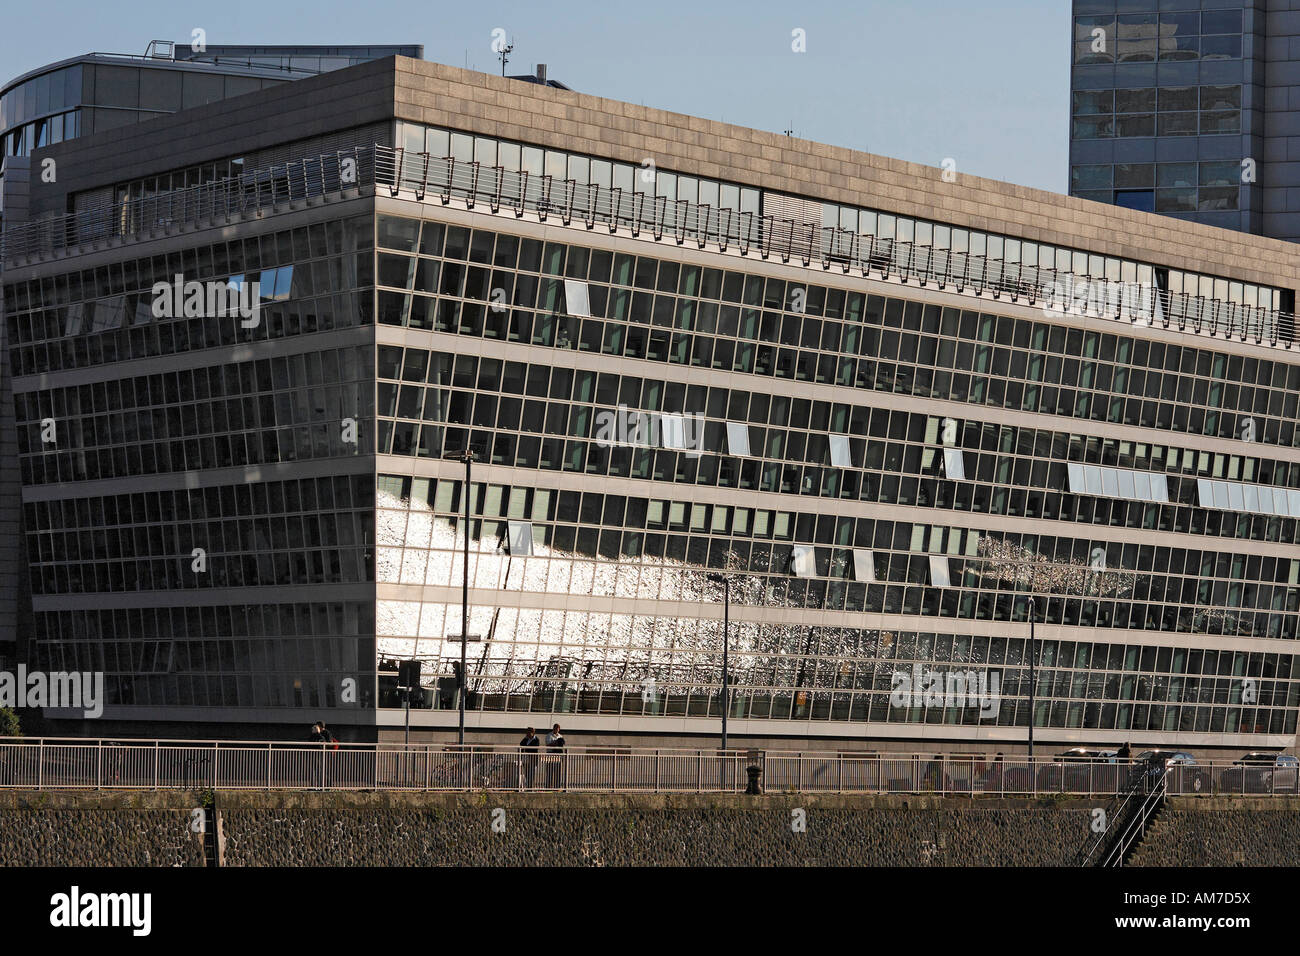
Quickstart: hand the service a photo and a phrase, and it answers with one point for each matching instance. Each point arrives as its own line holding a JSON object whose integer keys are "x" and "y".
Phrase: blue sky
{"x": 985, "y": 83}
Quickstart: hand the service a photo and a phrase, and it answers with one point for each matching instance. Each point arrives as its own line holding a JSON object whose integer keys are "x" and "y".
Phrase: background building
{"x": 1188, "y": 108}
{"x": 832, "y": 375}
{"x": 98, "y": 92}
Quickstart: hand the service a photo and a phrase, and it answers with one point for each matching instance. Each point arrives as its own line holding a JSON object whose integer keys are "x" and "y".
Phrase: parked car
{"x": 1070, "y": 771}
{"x": 1261, "y": 771}
{"x": 1085, "y": 770}
{"x": 1186, "y": 776}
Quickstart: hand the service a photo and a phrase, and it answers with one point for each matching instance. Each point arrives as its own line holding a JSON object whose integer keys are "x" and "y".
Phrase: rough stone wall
{"x": 374, "y": 829}
{"x": 59, "y": 829}
{"x": 618, "y": 837}
{"x": 1240, "y": 833}
{"x": 97, "y": 838}
{"x": 512, "y": 829}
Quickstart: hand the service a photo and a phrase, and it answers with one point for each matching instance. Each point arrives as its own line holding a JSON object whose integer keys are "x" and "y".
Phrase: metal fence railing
{"x": 504, "y": 191}
{"x": 62, "y": 763}
{"x": 753, "y": 233}
{"x": 258, "y": 190}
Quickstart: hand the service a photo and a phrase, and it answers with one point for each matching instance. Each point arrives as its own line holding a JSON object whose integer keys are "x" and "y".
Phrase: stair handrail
{"x": 1113, "y": 812}
{"x": 1137, "y": 827}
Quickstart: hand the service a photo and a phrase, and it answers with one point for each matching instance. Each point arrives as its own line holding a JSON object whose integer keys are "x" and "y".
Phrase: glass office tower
{"x": 1187, "y": 108}
{"x": 874, "y": 420}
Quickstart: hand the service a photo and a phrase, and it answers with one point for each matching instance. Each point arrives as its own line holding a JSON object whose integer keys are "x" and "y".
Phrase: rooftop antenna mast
{"x": 506, "y": 50}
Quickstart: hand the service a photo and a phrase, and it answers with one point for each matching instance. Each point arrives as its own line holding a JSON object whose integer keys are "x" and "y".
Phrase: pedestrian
{"x": 555, "y": 751}
{"x": 529, "y": 745}
{"x": 1123, "y": 752}
{"x": 321, "y": 735}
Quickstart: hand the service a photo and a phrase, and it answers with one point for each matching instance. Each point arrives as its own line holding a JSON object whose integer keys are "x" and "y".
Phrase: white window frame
{"x": 576, "y": 299}
{"x": 954, "y": 464}
{"x": 864, "y": 566}
{"x": 939, "y": 571}
{"x": 841, "y": 455}
{"x": 738, "y": 439}
{"x": 519, "y": 538}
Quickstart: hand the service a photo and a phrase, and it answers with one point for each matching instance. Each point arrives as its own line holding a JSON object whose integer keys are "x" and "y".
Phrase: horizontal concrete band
{"x": 862, "y": 733}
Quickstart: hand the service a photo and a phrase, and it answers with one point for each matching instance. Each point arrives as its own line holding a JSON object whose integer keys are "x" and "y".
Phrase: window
{"x": 1168, "y": 36}
{"x": 1180, "y": 36}
{"x": 1137, "y": 124}
{"x": 939, "y": 571}
{"x": 1141, "y": 200}
{"x": 1090, "y": 177}
{"x": 672, "y": 431}
{"x": 1136, "y": 36}
{"x": 1089, "y": 102}
{"x": 1151, "y": 111}
{"x": 864, "y": 566}
{"x": 1117, "y": 483}
{"x": 954, "y": 465}
{"x": 520, "y": 538}
{"x": 1094, "y": 127}
{"x": 1220, "y": 174}
{"x": 737, "y": 439}
{"x": 1094, "y": 39}
{"x": 576, "y": 301}
{"x": 1257, "y": 499}
{"x": 1220, "y": 97}
{"x": 803, "y": 561}
{"x": 1177, "y": 124}
{"x": 1176, "y": 175}
{"x": 840, "y": 451}
{"x": 1135, "y": 101}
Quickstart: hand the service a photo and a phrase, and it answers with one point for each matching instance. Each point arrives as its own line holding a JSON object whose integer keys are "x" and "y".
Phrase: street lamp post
{"x": 468, "y": 457}
{"x": 406, "y": 696}
{"x": 726, "y": 628}
{"x": 725, "y": 578}
{"x": 1033, "y": 614}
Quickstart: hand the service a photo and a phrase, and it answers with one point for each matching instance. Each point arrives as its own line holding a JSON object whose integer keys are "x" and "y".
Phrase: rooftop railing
{"x": 305, "y": 181}
{"x": 249, "y": 61}
{"x": 81, "y": 764}
{"x": 587, "y": 205}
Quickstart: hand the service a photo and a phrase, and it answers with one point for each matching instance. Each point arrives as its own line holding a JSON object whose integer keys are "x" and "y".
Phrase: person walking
{"x": 530, "y": 745}
{"x": 555, "y": 752}
{"x": 320, "y": 735}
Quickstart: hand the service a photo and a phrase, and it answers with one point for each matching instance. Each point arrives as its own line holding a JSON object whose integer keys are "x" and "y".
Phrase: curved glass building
{"x": 97, "y": 92}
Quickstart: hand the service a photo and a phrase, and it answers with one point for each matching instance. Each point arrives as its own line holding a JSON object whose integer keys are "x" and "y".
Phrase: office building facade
{"x": 913, "y": 423}
{"x": 1188, "y": 109}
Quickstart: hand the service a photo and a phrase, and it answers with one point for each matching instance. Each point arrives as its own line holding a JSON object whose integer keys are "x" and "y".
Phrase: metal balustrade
{"x": 79, "y": 764}
{"x": 500, "y": 191}
{"x": 1135, "y": 829}
{"x": 253, "y": 193}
